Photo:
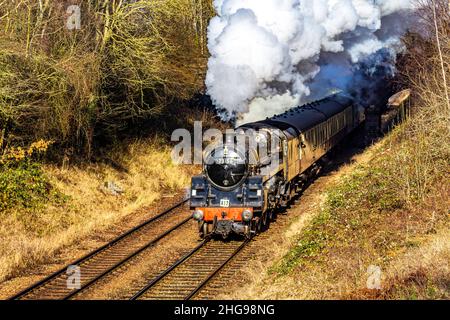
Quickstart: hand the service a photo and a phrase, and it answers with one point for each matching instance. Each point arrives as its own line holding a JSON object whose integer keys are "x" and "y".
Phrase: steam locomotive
{"x": 240, "y": 188}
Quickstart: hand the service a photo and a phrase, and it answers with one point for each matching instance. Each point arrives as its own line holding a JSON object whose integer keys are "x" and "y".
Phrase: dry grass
{"x": 30, "y": 237}
{"x": 422, "y": 272}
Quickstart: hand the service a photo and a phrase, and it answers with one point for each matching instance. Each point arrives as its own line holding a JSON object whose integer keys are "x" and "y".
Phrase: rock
{"x": 112, "y": 188}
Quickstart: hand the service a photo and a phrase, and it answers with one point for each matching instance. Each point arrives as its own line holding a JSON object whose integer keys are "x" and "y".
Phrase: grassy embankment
{"x": 47, "y": 207}
{"x": 72, "y": 99}
{"x": 391, "y": 212}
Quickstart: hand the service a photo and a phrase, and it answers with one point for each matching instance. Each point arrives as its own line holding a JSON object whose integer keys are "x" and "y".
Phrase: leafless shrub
{"x": 424, "y": 154}
{"x": 127, "y": 61}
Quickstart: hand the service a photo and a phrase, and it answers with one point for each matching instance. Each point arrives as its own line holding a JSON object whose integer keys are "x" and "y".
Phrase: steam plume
{"x": 270, "y": 55}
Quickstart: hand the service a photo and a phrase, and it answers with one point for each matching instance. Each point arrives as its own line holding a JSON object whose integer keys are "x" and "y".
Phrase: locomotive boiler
{"x": 240, "y": 188}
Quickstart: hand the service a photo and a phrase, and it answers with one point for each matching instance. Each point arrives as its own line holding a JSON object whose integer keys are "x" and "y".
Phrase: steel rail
{"x": 168, "y": 270}
{"x": 211, "y": 275}
{"x": 99, "y": 250}
{"x": 128, "y": 258}
{"x": 214, "y": 272}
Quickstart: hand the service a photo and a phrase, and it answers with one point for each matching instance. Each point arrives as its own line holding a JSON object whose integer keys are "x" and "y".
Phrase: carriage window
{"x": 315, "y": 138}
{"x": 318, "y": 131}
{"x": 321, "y": 134}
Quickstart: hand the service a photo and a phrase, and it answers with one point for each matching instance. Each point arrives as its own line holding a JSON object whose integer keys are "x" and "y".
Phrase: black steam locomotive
{"x": 240, "y": 189}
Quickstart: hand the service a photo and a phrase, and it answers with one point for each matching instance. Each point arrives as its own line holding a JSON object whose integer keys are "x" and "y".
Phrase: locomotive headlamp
{"x": 247, "y": 215}
{"x": 198, "y": 215}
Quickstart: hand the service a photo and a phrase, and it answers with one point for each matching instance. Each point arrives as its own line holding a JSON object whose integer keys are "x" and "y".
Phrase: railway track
{"x": 190, "y": 274}
{"x": 201, "y": 273}
{"x": 105, "y": 260}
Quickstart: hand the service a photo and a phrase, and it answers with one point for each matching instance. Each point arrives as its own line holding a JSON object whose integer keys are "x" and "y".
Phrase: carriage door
{"x": 292, "y": 158}
{"x": 301, "y": 149}
{"x": 285, "y": 159}
{"x": 307, "y": 150}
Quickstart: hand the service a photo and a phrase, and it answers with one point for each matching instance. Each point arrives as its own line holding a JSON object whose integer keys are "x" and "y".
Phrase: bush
{"x": 24, "y": 186}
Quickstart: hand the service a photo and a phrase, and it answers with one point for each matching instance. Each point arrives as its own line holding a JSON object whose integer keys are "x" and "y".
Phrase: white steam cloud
{"x": 270, "y": 55}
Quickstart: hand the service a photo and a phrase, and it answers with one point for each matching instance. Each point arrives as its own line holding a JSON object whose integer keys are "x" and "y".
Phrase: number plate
{"x": 224, "y": 203}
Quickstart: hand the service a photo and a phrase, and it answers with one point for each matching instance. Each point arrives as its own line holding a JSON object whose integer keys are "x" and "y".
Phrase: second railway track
{"x": 189, "y": 275}
{"x": 103, "y": 261}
